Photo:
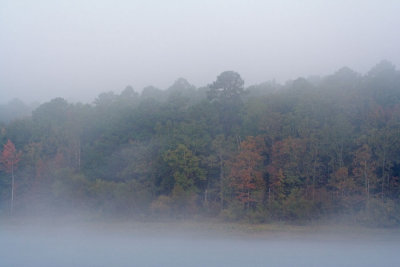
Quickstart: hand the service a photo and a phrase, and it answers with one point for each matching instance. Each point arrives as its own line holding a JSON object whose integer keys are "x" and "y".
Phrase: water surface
{"x": 70, "y": 246}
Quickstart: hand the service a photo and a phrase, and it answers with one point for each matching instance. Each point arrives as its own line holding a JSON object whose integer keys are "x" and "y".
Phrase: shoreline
{"x": 201, "y": 229}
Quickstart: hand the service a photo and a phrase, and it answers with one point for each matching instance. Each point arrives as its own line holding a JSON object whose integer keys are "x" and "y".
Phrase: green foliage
{"x": 325, "y": 147}
{"x": 226, "y": 94}
{"x": 228, "y": 87}
{"x": 184, "y": 168}
{"x": 297, "y": 208}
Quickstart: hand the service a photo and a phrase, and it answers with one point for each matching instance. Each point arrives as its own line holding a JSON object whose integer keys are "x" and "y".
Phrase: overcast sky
{"x": 77, "y": 49}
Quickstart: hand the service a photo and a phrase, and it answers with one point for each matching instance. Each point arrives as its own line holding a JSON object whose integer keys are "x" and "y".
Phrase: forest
{"x": 316, "y": 148}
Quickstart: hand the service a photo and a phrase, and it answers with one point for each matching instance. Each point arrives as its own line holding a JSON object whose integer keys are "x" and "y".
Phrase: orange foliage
{"x": 246, "y": 174}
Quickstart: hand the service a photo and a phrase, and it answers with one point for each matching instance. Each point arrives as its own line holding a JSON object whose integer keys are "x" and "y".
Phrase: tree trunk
{"x": 79, "y": 154}
{"x": 221, "y": 180}
{"x": 366, "y": 183}
{"x": 12, "y": 188}
{"x": 383, "y": 172}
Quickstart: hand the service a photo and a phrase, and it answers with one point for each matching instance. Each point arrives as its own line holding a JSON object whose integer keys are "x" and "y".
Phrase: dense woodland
{"x": 309, "y": 149}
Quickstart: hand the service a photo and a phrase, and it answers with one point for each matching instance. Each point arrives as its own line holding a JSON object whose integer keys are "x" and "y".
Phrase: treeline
{"x": 15, "y": 109}
{"x": 309, "y": 149}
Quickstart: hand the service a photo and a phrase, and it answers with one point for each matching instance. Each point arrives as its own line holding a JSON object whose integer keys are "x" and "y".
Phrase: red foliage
{"x": 245, "y": 174}
{"x": 9, "y": 157}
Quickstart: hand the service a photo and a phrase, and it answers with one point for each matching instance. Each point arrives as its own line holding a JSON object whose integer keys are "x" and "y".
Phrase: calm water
{"x": 70, "y": 247}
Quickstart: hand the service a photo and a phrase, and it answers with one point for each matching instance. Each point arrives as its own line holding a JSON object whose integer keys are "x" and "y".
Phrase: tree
{"x": 343, "y": 184}
{"x": 229, "y": 86}
{"x": 246, "y": 172}
{"x": 364, "y": 168}
{"x": 226, "y": 92}
{"x": 223, "y": 149}
{"x": 185, "y": 168}
{"x": 9, "y": 159}
{"x": 188, "y": 176}
{"x": 286, "y": 170}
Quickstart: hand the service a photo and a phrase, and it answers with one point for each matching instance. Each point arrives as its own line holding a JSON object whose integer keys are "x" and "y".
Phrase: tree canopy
{"x": 303, "y": 150}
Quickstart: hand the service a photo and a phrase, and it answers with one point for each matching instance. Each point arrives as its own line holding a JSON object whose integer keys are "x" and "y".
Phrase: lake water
{"x": 27, "y": 246}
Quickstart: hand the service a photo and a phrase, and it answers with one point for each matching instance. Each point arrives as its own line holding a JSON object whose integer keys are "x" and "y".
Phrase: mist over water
{"x": 92, "y": 245}
{"x": 278, "y": 119}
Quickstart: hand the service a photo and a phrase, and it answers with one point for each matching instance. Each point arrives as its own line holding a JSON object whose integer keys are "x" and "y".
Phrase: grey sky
{"x": 79, "y": 48}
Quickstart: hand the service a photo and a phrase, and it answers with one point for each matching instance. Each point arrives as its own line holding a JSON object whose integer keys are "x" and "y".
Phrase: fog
{"x": 122, "y": 157}
{"x": 155, "y": 245}
{"x": 77, "y": 49}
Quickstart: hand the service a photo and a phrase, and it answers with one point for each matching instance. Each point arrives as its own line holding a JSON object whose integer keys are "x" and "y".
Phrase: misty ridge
{"x": 315, "y": 149}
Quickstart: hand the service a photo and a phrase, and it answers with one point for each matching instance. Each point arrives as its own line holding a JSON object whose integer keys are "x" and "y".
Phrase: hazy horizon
{"x": 78, "y": 49}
